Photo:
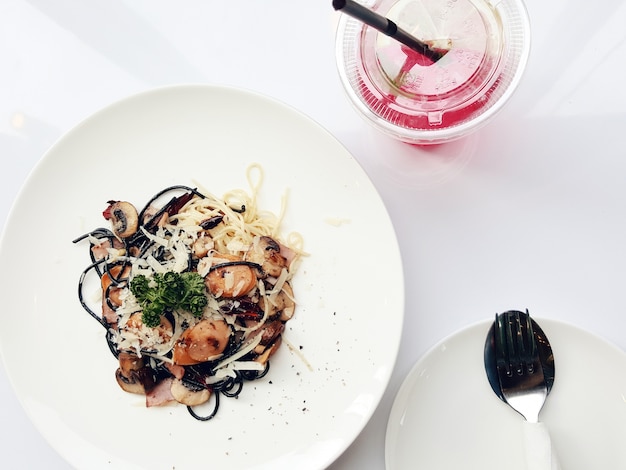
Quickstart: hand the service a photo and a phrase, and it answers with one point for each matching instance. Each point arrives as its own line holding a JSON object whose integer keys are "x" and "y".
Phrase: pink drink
{"x": 409, "y": 97}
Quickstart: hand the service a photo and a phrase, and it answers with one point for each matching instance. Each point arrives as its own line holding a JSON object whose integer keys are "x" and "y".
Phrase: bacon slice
{"x": 160, "y": 394}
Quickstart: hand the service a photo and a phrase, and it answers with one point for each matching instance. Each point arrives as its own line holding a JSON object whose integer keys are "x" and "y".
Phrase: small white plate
{"x": 316, "y": 398}
{"x": 446, "y": 417}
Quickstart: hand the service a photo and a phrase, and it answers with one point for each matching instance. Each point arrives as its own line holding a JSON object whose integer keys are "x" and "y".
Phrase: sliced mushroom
{"x": 202, "y": 246}
{"x": 203, "y": 342}
{"x": 269, "y": 351}
{"x": 123, "y": 217}
{"x": 129, "y": 384}
{"x": 130, "y": 363}
{"x": 187, "y": 396}
{"x": 266, "y": 252}
{"x": 288, "y": 305}
{"x": 269, "y": 334}
{"x": 133, "y": 376}
{"x": 282, "y": 302}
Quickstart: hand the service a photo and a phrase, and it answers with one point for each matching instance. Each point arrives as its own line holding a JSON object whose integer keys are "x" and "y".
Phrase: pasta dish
{"x": 195, "y": 292}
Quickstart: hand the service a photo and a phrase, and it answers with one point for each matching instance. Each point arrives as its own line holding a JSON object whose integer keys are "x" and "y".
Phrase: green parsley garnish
{"x": 167, "y": 292}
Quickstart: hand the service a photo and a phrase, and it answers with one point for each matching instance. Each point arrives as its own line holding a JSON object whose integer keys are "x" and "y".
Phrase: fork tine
{"x": 515, "y": 343}
{"x": 502, "y": 356}
{"x": 522, "y": 342}
{"x": 533, "y": 352}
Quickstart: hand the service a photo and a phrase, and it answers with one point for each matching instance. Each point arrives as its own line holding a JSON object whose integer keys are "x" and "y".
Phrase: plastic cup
{"x": 406, "y": 96}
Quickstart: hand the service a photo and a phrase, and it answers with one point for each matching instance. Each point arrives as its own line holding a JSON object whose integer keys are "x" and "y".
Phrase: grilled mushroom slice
{"x": 123, "y": 217}
{"x": 186, "y": 396}
{"x": 133, "y": 376}
{"x": 282, "y": 302}
{"x": 266, "y": 252}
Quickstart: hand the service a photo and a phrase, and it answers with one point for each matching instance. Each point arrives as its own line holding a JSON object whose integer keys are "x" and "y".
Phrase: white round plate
{"x": 446, "y": 417}
{"x": 317, "y": 397}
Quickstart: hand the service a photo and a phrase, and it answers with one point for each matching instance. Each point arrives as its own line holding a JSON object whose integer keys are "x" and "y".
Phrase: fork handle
{"x": 538, "y": 448}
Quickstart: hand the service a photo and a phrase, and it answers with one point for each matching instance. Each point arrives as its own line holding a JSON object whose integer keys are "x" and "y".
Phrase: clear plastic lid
{"x": 409, "y": 97}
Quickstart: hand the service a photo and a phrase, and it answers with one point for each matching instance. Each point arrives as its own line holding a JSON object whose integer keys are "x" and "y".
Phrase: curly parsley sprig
{"x": 166, "y": 292}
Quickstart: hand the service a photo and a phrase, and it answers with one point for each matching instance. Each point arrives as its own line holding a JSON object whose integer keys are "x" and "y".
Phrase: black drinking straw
{"x": 387, "y": 27}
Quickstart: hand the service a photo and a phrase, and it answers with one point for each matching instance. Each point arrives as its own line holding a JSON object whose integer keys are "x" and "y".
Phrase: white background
{"x": 527, "y": 213}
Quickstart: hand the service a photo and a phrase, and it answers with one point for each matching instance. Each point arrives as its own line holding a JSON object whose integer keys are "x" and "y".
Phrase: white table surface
{"x": 529, "y": 212}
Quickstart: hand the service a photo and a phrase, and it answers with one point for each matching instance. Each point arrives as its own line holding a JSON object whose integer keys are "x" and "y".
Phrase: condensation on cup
{"x": 412, "y": 99}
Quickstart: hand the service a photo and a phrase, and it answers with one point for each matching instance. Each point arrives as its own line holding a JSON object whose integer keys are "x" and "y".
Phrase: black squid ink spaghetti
{"x": 195, "y": 292}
